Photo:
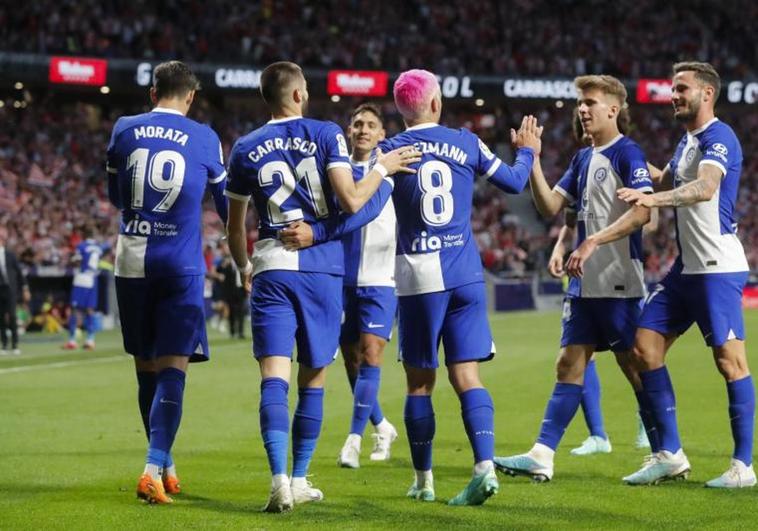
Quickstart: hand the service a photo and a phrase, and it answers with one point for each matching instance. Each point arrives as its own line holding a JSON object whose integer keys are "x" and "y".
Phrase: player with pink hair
{"x": 439, "y": 278}
{"x": 413, "y": 92}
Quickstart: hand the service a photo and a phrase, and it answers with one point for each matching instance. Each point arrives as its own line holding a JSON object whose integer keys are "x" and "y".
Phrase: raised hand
{"x": 529, "y": 134}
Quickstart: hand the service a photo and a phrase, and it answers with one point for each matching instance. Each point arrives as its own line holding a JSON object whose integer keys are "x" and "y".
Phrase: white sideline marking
{"x": 60, "y": 364}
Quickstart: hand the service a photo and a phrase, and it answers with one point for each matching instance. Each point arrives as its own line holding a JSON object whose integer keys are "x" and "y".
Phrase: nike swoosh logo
{"x": 372, "y": 325}
{"x": 358, "y": 404}
{"x": 164, "y": 401}
{"x": 614, "y": 343}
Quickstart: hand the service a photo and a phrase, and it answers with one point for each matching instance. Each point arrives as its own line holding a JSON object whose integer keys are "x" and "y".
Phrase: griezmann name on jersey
{"x": 436, "y": 250}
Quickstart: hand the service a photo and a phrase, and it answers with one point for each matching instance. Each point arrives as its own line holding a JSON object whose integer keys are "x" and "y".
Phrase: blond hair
{"x": 606, "y": 84}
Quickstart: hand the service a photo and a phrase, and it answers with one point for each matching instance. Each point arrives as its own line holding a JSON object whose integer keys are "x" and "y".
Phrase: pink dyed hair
{"x": 413, "y": 91}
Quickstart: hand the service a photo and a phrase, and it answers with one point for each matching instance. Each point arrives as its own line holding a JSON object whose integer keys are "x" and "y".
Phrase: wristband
{"x": 381, "y": 169}
{"x": 247, "y": 269}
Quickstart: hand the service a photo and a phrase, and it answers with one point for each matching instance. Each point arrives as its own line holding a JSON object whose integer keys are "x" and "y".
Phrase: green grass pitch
{"x": 72, "y": 447}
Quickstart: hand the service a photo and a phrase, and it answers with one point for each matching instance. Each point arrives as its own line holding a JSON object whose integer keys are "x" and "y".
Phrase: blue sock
{"x": 742, "y": 417}
{"x": 89, "y": 326}
{"x": 165, "y": 414}
{"x": 478, "y": 414}
{"x": 656, "y": 385}
{"x": 72, "y": 326}
{"x": 275, "y": 422}
{"x": 146, "y": 383}
{"x": 561, "y": 408}
{"x": 648, "y": 421}
{"x": 420, "y": 425}
{"x": 593, "y": 415}
{"x": 306, "y": 426}
{"x": 364, "y": 397}
{"x": 376, "y": 413}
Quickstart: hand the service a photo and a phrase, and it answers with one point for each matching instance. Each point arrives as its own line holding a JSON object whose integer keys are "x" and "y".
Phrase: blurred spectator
{"x": 528, "y": 37}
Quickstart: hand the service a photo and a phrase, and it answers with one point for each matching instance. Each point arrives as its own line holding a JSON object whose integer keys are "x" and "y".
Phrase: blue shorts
{"x": 607, "y": 323}
{"x": 84, "y": 298}
{"x": 367, "y": 310}
{"x": 713, "y": 301}
{"x": 457, "y": 317}
{"x": 163, "y": 316}
{"x": 289, "y": 307}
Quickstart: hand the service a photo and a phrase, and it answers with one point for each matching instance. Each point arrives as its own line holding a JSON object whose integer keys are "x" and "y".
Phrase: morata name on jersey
{"x": 156, "y": 131}
{"x": 306, "y": 147}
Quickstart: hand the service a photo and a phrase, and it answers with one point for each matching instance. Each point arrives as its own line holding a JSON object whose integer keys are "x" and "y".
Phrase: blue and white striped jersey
{"x": 370, "y": 251}
{"x": 283, "y": 166}
{"x": 706, "y": 232}
{"x": 436, "y": 250}
{"x": 159, "y": 165}
{"x": 595, "y": 174}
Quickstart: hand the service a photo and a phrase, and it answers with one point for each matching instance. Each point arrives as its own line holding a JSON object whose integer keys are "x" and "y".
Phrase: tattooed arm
{"x": 701, "y": 189}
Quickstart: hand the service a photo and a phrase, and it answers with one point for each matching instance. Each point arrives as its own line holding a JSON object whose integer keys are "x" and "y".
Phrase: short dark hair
{"x": 367, "y": 107}
{"x": 704, "y": 72}
{"x": 277, "y": 77}
{"x": 173, "y": 79}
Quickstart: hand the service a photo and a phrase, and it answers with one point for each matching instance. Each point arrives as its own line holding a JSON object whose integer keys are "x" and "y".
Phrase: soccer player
{"x": 159, "y": 166}
{"x": 369, "y": 300}
{"x": 602, "y": 305}
{"x": 704, "y": 285}
{"x": 84, "y": 291}
{"x": 295, "y": 168}
{"x": 439, "y": 275}
{"x": 598, "y": 441}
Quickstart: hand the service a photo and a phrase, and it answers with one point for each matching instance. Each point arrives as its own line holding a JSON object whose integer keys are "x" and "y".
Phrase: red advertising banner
{"x": 750, "y": 297}
{"x": 356, "y": 83}
{"x": 78, "y": 70}
{"x": 654, "y": 91}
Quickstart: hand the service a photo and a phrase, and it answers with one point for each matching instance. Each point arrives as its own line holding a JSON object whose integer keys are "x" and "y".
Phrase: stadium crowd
{"x": 52, "y": 181}
{"x": 529, "y": 37}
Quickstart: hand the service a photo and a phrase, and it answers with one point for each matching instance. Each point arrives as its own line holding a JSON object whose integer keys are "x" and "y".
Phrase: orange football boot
{"x": 152, "y": 491}
{"x": 171, "y": 485}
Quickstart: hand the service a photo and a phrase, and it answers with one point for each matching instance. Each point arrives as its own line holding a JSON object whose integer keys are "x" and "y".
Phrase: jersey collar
{"x": 599, "y": 149}
{"x": 359, "y": 162}
{"x": 167, "y": 110}
{"x": 425, "y": 125}
{"x": 703, "y": 127}
{"x": 280, "y": 120}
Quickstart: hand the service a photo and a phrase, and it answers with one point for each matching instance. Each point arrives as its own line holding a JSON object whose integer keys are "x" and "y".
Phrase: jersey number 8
{"x": 435, "y": 181}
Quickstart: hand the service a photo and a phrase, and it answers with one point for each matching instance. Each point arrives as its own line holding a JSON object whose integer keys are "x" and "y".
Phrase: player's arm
{"x": 631, "y": 221}
{"x": 238, "y": 191}
{"x": 217, "y": 175}
{"x": 565, "y": 238}
{"x": 513, "y": 179}
{"x": 300, "y": 234}
{"x": 111, "y": 168}
{"x": 547, "y": 201}
{"x": 353, "y": 195}
{"x": 237, "y": 239}
{"x": 701, "y": 189}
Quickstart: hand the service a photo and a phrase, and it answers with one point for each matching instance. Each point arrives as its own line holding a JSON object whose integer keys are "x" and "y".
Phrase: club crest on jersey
{"x": 138, "y": 227}
{"x": 601, "y": 174}
{"x": 689, "y": 155}
{"x": 423, "y": 244}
